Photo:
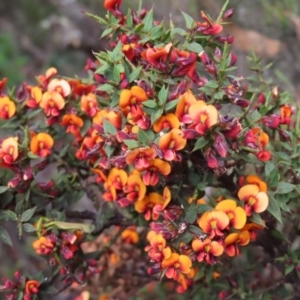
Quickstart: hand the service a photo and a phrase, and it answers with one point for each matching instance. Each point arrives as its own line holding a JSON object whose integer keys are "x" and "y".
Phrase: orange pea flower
{"x": 233, "y": 240}
{"x": 147, "y": 204}
{"x": 118, "y": 178}
{"x": 41, "y": 144}
{"x": 285, "y": 114}
{"x": 128, "y": 50}
{"x": 156, "y": 167}
{"x": 155, "y": 55}
{"x": 7, "y": 108}
{"x": 52, "y": 103}
{"x": 132, "y": 98}
{"x": 236, "y": 214}
{"x": 213, "y": 222}
{"x": 111, "y": 116}
{"x": 206, "y": 250}
{"x": 9, "y": 150}
{"x": 90, "y": 145}
{"x": 44, "y": 79}
{"x": 32, "y": 287}
{"x": 101, "y": 177}
{"x": 176, "y": 264}
{"x": 171, "y": 142}
{"x": 135, "y": 188}
{"x": 169, "y": 121}
{"x": 166, "y": 198}
{"x": 253, "y": 179}
{"x": 157, "y": 250}
{"x": 254, "y": 199}
{"x": 252, "y": 228}
{"x": 60, "y": 86}
{"x": 43, "y": 245}
{"x": 182, "y": 108}
{"x": 112, "y": 5}
{"x": 78, "y": 88}
{"x": 35, "y": 97}
{"x": 130, "y": 235}
{"x": 208, "y": 27}
{"x": 73, "y": 124}
{"x": 140, "y": 157}
{"x": 89, "y": 104}
{"x": 203, "y": 116}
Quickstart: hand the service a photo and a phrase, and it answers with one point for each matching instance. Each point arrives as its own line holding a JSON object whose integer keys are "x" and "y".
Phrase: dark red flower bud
{"x": 18, "y": 275}
{"x": 211, "y": 69}
{"x": 228, "y": 13}
{"x": 22, "y": 93}
{"x": 225, "y": 39}
{"x": 66, "y": 252}
{"x": 233, "y": 59}
{"x": 124, "y": 84}
{"x": 46, "y": 186}
{"x": 218, "y": 54}
{"x": 190, "y": 134}
{"x": 220, "y": 145}
{"x": 272, "y": 121}
{"x": 28, "y": 174}
{"x": 284, "y": 135}
{"x": 242, "y": 102}
{"x": 261, "y": 98}
{"x": 15, "y": 181}
{"x": 204, "y": 58}
{"x": 211, "y": 158}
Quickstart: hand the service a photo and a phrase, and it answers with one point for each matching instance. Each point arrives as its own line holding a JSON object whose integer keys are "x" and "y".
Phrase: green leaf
{"x": 109, "y": 150}
{"x": 201, "y": 143}
{"x": 136, "y": 72}
{"x": 285, "y": 187}
{"x": 145, "y": 136}
{"x": 105, "y": 87}
{"x": 163, "y": 95}
{"x": 274, "y": 208}
{"x": 171, "y": 104}
{"x": 117, "y": 53}
{"x": 150, "y": 104}
{"x": 189, "y": 21}
{"x": 129, "y": 20}
{"x": 4, "y": 236}
{"x": 196, "y": 230}
{"x": 116, "y": 73}
{"x": 8, "y": 215}
{"x": 191, "y": 215}
{"x": 202, "y": 208}
{"x": 179, "y": 31}
{"x": 3, "y": 189}
{"x": 212, "y": 84}
{"x": 195, "y": 47}
{"x": 289, "y": 269}
{"x": 156, "y": 114}
{"x": 269, "y": 167}
{"x": 106, "y": 32}
{"x": 27, "y": 227}
{"x": 148, "y": 21}
{"x": 256, "y": 218}
{"x": 103, "y": 68}
{"x": 31, "y": 155}
{"x": 131, "y": 144}
{"x": 27, "y": 214}
{"x": 109, "y": 128}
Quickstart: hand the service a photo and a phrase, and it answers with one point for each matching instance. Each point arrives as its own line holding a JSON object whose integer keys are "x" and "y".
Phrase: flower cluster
{"x": 163, "y": 130}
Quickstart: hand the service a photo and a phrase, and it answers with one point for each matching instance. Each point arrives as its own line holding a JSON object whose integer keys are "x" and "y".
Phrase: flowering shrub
{"x": 161, "y": 136}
